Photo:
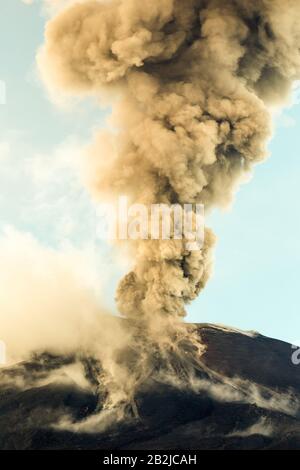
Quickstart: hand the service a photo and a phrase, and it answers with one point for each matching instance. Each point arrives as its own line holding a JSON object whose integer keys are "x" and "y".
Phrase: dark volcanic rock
{"x": 251, "y": 402}
{"x": 253, "y": 357}
{"x": 178, "y": 407}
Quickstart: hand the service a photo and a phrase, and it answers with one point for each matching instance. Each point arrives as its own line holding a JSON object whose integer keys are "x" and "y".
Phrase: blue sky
{"x": 257, "y": 261}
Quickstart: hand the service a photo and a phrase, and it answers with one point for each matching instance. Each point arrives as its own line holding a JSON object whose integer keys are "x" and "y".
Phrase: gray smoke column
{"x": 195, "y": 81}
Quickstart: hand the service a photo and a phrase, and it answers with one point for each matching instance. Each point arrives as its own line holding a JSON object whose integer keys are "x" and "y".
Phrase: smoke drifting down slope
{"x": 195, "y": 81}
{"x": 55, "y": 402}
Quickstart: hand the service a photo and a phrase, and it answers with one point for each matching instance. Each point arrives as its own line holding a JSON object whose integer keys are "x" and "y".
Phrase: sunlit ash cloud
{"x": 192, "y": 85}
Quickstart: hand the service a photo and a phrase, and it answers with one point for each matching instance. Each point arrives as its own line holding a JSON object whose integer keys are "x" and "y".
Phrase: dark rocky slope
{"x": 250, "y": 403}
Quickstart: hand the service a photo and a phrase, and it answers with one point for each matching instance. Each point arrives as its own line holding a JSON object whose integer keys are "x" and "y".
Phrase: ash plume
{"x": 195, "y": 82}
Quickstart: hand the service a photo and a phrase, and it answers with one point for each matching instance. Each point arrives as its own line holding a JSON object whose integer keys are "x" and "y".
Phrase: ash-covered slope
{"x": 245, "y": 397}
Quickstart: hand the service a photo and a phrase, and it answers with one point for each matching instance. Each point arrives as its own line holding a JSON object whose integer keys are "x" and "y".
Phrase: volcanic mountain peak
{"x": 245, "y": 396}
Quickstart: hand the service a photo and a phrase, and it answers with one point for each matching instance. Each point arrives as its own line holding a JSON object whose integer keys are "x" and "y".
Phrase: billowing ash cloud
{"x": 195, "y": 81}
{"x": 49, "y": 301}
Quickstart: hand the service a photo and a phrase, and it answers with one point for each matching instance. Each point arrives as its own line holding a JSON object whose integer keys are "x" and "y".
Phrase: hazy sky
{"x": 256, "y": 281}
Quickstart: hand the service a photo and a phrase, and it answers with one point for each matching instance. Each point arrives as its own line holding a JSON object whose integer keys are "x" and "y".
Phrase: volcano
{"x": 245, "y": 396}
